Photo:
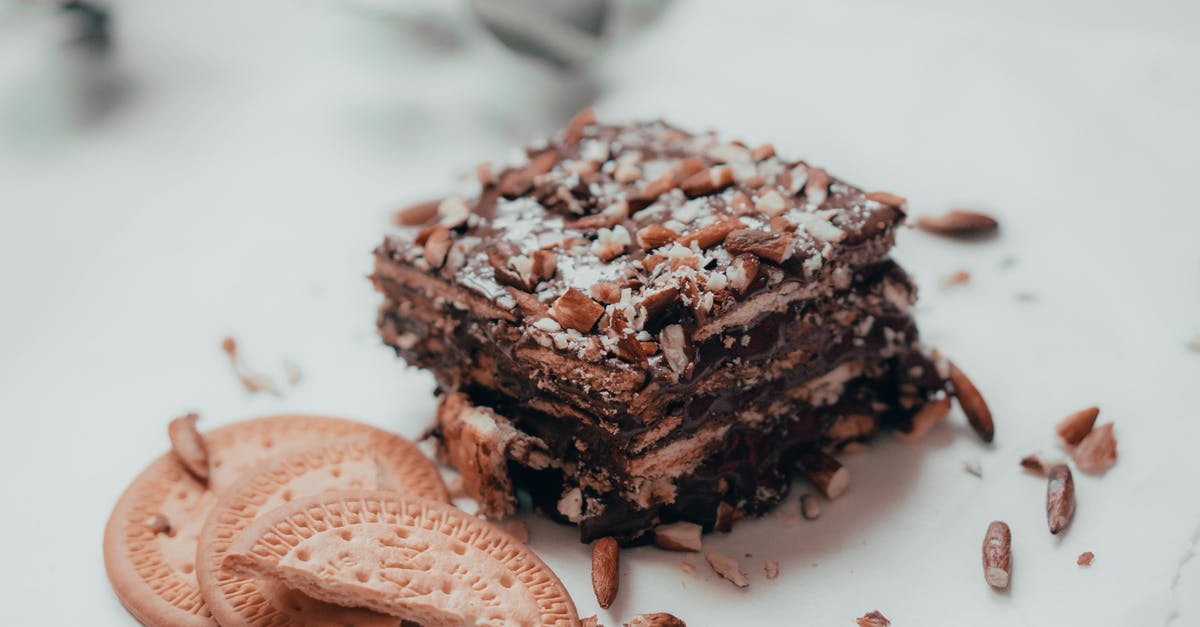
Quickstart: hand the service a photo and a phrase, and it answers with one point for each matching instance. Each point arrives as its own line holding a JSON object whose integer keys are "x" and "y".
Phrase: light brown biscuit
{"x": 418, "y": 559}
{"x": 150, "y": 538}
{"x": 378, "y": 461}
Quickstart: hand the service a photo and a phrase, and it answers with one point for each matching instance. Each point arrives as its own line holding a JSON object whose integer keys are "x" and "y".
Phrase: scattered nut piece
{"x": 1077, "y": 425}
{"x": 888, "y": 198}
{"x": 657, "y": 619}
{"x": 654, "y": 236}
{"x": 605, "y": 292}
{"x": 711, "y": 234}
{"x": 1097, "y": 452}
{"x": 158, "y": 523}
{"x": 417, "y": 214}
{"x": 724, "y": 520}
{"x": 545, "y": 264}
{"x": 873, "y": 619}
{"x": 958, "y": 223}
{"x": 825, "y": 473}
{"x": 973, "y": 405}
{"x": 437, "y": 246}
{"x": 726, "y": 567}
{"x": 810, "y": 507}
{"x": 772, "y": 203}
{"x": 962, "y": 277}
{"x": 762, "y": 152}
{"x": 816, "y": 188}
{"x": 997, "y": 554}
{"x": 252, "y": 381}
{"x": 707, "y": 181}
{"x": 678, "y": 536}
{"x": 575, "y": 310}
{"x": 776, "y": 247}
{"x": 574, "y": 131}
{"x": 771, "y": 568}
{"x": 188, "y": 445}
{"x": 453, "y": 212}
{"x": 674, "y": 345}
{"x": 930, "y": 414}
{"x": 1034, "y": 464}
{"x": 605, "y": 571}
{"x": 1060, "y": 498}
{"x": 1085, "y": 558}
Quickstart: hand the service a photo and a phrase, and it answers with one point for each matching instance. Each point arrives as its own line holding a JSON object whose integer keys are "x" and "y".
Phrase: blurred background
{"x": 172, "y": 171}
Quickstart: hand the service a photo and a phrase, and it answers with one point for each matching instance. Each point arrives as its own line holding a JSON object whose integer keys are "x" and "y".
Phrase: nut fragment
{"x": 707, "y": 181}
{"x": 776, "y": 247}
{"x": 574, "y": 130}
{"x": 654, "y": 236}
{"x": 1060, "y": 498}
{"x": 678, "y": 536}
{"x": 742, "y": 271}
{"x": 930, "y": 414}
{"x": 417, "y": 214}
{"x": 188, "y": 445}
{"x": 973, "y": 405}
{"x": 575, "y": 310}
{"x": 605, "y": 571}
{"x": 958, "y": 223}
{"x": 437, "y": 246}
{"x": 762, "y": 152}
{"x": 810, "y": 507}
{"x": 610, "y": 243}
{"x": 771, "y": 569}
{"x": 816, "y": 188}
{"x": 711, "y": 234}
{"x": 1077, "y": 425}
{"x": 1085, "y": 558}
{"x": 606, "y": 292}
{"x": 545, "y": 264}
{"x": 725, "y": 515}
{"x": 873, "y": 619}
{"x": 453, "y": 212}
{"x": 675, "y": 348}
{"x": 888, "y": 198}
{"x": 772, "y": 203}
{"x": 726, "y": 567}
{"x": 825, "y": 473}
{"x": 657, "y": 619}
{"x": 1034, "y": 464}
{"x": 997, "y": 554}
{"x": 1097, "y": 452}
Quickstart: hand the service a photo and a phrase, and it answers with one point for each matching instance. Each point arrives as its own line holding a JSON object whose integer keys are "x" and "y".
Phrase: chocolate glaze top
{"x": 617, "y": 240}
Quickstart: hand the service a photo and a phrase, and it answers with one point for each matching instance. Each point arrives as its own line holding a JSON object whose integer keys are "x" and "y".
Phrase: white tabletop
{"x": 250, "y": 152}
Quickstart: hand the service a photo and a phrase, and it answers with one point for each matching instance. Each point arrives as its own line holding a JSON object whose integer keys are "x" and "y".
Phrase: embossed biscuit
{"x": 408, "y": 557}
{"x": 375, "y": 461}
{"x": 150, "y": 538}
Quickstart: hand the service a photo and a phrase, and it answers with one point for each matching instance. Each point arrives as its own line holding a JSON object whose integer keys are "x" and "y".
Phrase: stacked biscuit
{"x": 308, "y": 520}
{"x": 639, "y": 325}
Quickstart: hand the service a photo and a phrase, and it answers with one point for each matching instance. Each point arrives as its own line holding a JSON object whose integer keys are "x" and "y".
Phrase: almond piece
{"x": 997, "y": 555}
{"x": 654, "y": 236}
{"x": 610, "y": 243}
{"x": 972, "y": 404}
{"x": 771, "y": 569}
{"x": 888, "y": 198}
{"x": 650, "y": 262}
{"x": 810, "y": 507}
{"x": 742, "y": 271}
{"x": 675, "y": 348}
{"x": 574, "y": 130}
{"x": 1034, "y": 464}
{"x": 1060, "y": 498}
{"x": 711, "y": 234}
{"x": 873, "y": 619}
{"x": 529, "y": 304}
{"x": 657, "y": 619}
{"x": 930, "y": 414}
{"x": 606, "y": 292}
{"x": 453, "y": 213}
{"x": 724, "y": 519}
{"x": 1076, "y": 426}
{"x": 707, "y": 182}
{"x": 653, "y": 190}
{"x": 678, "y": 536}
{"x": 1085, "y": 558}
{"x": 762, "y": 152}
{"x": 776, "y": 247}
{"x": 772, "y": 203}
{"x": 961, "y": 277}
{"x": 816, "y": 188}
{"x": 726, "y": 567}
{"x": 520, "y": 181}
{"x": 958, "y": 223}
{"x": 188, "y": 446}
{"x": 437, "y": 246}
{"x": 545, "y": 265}
{"x": 417, "y": 214}
{"x": 825, "y": 473}
{"x": 1097, "y": 452}
{"x": 605, "y": 571}
{"x": 687, "y": 168}
{"x": 574, "y": 310}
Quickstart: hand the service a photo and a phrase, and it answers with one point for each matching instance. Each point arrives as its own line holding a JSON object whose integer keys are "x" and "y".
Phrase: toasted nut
{"x": 772, "y": 203}
{"x": 510, "y": 267}
{"x": 437, "y": 246}
{"x": 657, "y": 303}
{"x": 605, "y": 571}
{"x": 1034, "y": 464}
{"x": 678, "y": 536}
{"x": 816, "y": 188}
{"x": 529, "y": 305}
{"x": 574, "y": 131}
{"x": 780, "y": 224}
{"x": 888, "y": 198}
{"x": 710, "y": 235}
{"x": 654, "y": 236}
{"x": 188, "y": 445}
{"x": 545, "y": 264}
{"x": 958, "y": 223}
{"x": 1076, "y": 426}
{"x": 725, "y": 516}
{"x": 610, "y": 243}
{"x": 810, "y": 507}
{"x": 687, "y": 168}
{"x": 657, "y": 619}
{"x": 575, "y": 310}
{"x": 158, "y": 523}
{"x": 519, "y": 181}
{"x": 997, "y": 554}
{"x": 707, "y": 182}
{"x": 417, "y": 214}
{"x": 1060, "y": 498}
{"x": 484, "y": 174}
{"x": 961, "y": 277}
{"x": 1085, "y": 558}
{"x": 605, "y": 292}
{"x": 1097, "y": 452}
{"x": 771, "y": 569}
{"x": 929, "y": 415}
{"x": 650, "y": 262}
{"x": 726, "y": 567}
{"x": 873, "y": 619}
{"x": 825, "y": 473}
{"x": 762, "y": 152}
{"x": 653, "y": 190}
{"x": 675, "y": 348}
{"x": 453, "y": 213}
{"x": 742, "y": 271}
{"x": 973, "y": 405}
{"x": 776, "y": 247}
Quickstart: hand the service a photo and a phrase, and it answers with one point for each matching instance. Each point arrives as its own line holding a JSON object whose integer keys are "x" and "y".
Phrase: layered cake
{"x": 638, "y": 325}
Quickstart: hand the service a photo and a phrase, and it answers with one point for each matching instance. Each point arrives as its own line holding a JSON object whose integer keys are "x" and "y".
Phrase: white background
{"x": 250, "y": 154}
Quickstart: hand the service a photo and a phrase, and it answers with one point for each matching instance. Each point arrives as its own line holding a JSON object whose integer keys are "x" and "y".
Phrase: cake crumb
{"x": 771, "y": 568}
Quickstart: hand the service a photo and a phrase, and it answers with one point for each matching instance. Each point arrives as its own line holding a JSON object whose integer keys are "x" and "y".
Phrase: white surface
{"x": 242, "y": 182}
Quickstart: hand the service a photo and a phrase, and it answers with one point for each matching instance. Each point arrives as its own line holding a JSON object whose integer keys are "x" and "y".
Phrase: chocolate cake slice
{"x": 638, "y": 325}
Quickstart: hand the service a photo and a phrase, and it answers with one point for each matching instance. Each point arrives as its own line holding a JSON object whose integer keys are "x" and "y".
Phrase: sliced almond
{"x": 810, "y": 507}
{"x": 1077, "y": 425}
{"x": 575, "y": 310}
{"x": 605, "y": 571}
{"x": 678, "y": 536}
{"x": 997, "y": 555}
{"x": 776, "y": 247}
{"x": 707, "y": 182}
{"x": 771, "y": 569}
{"x": 725, "y": 516}
{"x": 958, "y": 223}
{"x": 973, "y": 405}
{"x": 1097, "y": 452}
{"x": 188, "y": 445}
{"x": 726, "y": 567}
{"x": 1060, "y": 498}
{"x": 742, "y": 271}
